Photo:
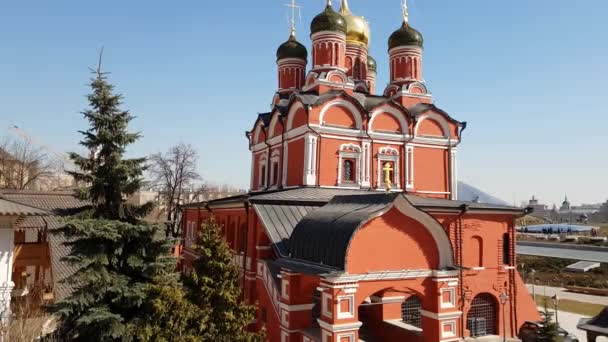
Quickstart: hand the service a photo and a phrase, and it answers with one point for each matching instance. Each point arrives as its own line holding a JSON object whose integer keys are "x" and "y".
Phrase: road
{"x": 563, "y": 251}
{"x": 564, "y": 294}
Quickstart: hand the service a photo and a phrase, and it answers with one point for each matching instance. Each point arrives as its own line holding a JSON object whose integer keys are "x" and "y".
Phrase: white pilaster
{"x": 310, "y": 160}
{"x": 366, "y": 164}
{"x": 7, "y": 245}
{"x": 453, "y": 175}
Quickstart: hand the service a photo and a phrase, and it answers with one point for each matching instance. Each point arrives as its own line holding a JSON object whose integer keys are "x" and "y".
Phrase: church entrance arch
{"x": 482, "y": 316}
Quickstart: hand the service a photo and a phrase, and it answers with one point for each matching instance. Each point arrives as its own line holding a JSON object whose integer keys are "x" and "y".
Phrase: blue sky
{"x": 528, "y": 77}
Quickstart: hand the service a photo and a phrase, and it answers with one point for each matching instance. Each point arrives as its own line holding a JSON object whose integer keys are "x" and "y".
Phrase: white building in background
{"x": 11, "y": 214}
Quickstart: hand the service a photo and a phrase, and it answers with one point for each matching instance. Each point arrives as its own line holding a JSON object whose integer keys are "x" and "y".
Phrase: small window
{"x": 506, "y": 247}
{"x": 263, "y": 176}
{"x": 348, "y": 174}
{"x": 275, "y": 173}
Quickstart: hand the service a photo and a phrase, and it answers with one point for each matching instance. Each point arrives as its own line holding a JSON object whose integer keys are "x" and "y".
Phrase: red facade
{"x": 326, "y": 252}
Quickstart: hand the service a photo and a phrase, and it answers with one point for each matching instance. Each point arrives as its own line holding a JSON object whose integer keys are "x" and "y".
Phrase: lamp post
{"x": 503, "y": 300}
{"x": 555, "y": 300}
{"x": 533, "y": 273}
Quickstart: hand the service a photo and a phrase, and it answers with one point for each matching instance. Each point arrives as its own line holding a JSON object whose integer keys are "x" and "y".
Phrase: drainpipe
{"x": 371, "y": 174}
{"x": 246, "y": 204}
{"x": 463, "y": 210}
{"x": 267, "y": 168}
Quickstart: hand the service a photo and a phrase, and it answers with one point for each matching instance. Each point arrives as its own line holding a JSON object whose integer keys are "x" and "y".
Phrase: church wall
{"x": 339, "y": 116}
{"x": 299, "y": 118}
{"x": 386, "y": 122}
{"x": 431, "y": 170}
{"x": 328, "y": 160}
{"x": 397, "y": 242}
{"x": 295, "y": 162}
{"x": 430, "y": 127}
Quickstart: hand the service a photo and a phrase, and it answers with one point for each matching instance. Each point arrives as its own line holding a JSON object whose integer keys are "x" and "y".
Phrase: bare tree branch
{"x": 22, "y": 164}
{"x": 175, "y": 175}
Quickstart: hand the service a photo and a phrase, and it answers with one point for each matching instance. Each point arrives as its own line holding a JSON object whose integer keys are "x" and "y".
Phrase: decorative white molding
{"x": 354, "y": 111}
{"x": 339, "y": 327}
{"x": 397, "y": 114}
{"x": 351, "y": 307}
{"x": 438, "y": 119}
{"x": 291, "y": 114}
{"x": 453, "y": 175}
{"x": 310, "y": 160}
{"x": 441, "y": 316}
{"x": 388, "y": 154}
{"x": 327, "y": 310}
{"x": 349, "y": 151}
{"x": 295, "y": 308}
{"x": 366, "y": 166}
{"x": 409, "y": 167}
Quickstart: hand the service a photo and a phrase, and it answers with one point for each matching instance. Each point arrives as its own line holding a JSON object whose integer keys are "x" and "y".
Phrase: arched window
{"x": 477, "y": 251}
{"x": 348, "y": 173}
{"x": 481, "y": 319}
{"x": 410, "y": 311}
{"x": 506, "y": 247}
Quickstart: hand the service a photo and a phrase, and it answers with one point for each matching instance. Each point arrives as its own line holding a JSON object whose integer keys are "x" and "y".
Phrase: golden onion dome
{"x": 357, "y": 28}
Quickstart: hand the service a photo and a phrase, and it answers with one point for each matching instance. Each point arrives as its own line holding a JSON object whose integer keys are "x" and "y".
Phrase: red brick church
{"x": 353, "y": 230}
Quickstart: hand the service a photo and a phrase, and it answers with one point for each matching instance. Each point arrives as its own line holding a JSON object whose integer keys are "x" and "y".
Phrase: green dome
{"x": 405, "y": 36}
{"x": 292, "y": 49}
{"x": 371, "y": 64}
{"x": 328, "y": 20}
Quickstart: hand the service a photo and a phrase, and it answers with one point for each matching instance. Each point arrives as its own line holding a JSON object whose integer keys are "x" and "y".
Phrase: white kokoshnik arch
{"x": 291, "y": 114}
{"x": 354, "y": 111}
{"x": 437, "y": 118}
{"x": 396, "y": 113}
{"x": 405, "y": 207}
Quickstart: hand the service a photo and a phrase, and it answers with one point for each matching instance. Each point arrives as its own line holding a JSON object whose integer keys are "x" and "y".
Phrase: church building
{"x": 352, "y": 229}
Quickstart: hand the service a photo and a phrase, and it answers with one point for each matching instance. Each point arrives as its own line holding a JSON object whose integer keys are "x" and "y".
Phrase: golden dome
{"x": 357, "y": 28}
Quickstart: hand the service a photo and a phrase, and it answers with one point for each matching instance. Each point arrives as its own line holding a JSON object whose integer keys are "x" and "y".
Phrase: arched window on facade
{"x": 506, "y": 247}
{"x": 477, "y": 251}
{"x": 481, "y": 319}
{"x": 348, "y": 171}
{"x": 410, "y": 311}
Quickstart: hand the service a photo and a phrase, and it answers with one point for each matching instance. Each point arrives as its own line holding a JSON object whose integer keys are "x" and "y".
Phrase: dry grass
{"x": 581, "y": 308}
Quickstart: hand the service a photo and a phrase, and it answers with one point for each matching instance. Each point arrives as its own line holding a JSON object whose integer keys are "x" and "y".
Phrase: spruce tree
{"x": 214, "y": 287}
{"x": 119, "y": 257}
{"x": 549, "y": 330}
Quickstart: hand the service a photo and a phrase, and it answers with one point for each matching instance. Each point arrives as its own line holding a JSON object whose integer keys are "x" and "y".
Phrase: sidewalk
{"x": 563, "y": 294}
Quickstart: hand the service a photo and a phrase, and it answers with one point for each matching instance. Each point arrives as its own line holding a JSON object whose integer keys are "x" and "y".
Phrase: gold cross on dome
{"x": 294, "y": 7}
{"x": 387, "y": 176}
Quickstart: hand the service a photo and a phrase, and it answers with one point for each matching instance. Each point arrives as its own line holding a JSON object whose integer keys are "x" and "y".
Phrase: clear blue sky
{"x": 528, "y": 76}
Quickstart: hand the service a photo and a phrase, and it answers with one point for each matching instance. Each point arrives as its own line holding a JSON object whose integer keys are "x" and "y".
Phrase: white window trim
{"x": 445, "y": 334}
{"x": 350, "y": 151}
{"x": 262, "y": 179}
{"x": 284, "y": 292}
{"x": 388, "y": 154}
{"x": 452, "y": 302}
{"x": 327, "y": 310}
{"x": 351, "y": 307}
{"x": 275, "y": 158}
{"x": 350, "y": 336}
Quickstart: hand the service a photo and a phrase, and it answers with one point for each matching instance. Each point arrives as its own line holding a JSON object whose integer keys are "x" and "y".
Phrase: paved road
{"x": 563, "y": 253}
{"x": 564, "y": 294}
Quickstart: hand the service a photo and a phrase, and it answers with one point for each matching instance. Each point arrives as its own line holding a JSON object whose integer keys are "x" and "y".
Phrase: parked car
{"x": 530, "y": 332}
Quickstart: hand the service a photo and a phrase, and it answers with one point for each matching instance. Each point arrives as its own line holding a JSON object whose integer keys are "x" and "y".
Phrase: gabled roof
{"x": 10, "y": 208}
{"x": 421, "y": 108}
{"x": 323, "y": 236}
{"x": 51, "y": 203}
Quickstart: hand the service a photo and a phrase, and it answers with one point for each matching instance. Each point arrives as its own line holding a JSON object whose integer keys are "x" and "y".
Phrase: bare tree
{"x": 22, "y": 164}
{"x": 175, "y": 175}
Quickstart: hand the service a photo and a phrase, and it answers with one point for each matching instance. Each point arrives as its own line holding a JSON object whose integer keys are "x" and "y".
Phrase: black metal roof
{"x": 597, "y": 324}
{"x": 323, "y": 235}
{"x": 280, "y": 220}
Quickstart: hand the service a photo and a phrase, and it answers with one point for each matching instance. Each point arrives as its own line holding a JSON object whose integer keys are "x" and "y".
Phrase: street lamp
{"x": 533, "y": 273}
{"x": 555, "y": 300}
{"x": 503, "y": 300}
